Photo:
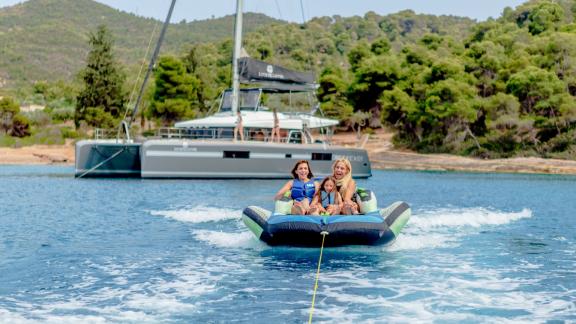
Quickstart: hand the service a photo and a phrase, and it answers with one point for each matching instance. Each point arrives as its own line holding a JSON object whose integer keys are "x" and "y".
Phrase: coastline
{"x": 380, "y": 150}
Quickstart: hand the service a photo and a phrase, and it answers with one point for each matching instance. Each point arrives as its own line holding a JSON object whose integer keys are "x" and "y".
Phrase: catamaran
{"x": 206, "y": 147}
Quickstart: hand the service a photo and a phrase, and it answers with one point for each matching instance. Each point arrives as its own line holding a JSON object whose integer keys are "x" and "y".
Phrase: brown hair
{"x": 319, "y": 192}
{"x": 329, "y": 178}
{"x": 310, "y": 175}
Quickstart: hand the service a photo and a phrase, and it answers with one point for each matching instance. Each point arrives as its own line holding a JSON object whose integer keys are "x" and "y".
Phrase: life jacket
{"x": 328, "y": 198}
{"x": 301, "y": 190}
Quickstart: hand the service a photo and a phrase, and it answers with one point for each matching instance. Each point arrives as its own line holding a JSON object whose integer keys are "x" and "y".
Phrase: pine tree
{"x": 176, "y": 92}
{"x": 102, "y": 100}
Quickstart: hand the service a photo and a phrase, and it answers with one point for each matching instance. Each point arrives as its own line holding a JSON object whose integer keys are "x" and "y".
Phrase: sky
{"x": 291, "y": 10}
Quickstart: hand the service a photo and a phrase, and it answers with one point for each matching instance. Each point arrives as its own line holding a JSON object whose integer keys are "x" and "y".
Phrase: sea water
{"x": 478, "y": 248}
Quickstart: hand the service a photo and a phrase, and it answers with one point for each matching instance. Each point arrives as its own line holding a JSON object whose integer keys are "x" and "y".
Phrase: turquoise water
{"x": 479, "y": 247}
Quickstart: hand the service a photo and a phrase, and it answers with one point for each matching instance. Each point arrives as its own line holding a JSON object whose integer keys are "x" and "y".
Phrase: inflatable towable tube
{"x": 378, "y": 227}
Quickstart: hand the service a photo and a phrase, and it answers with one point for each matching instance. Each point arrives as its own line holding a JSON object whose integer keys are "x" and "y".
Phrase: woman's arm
{"x": 338, "y": 200}
{"x": 316, "y": 205}
{"x": 315, "y": 200}
{"x": 350, "y": 191}
{"x": 283, "y": 190}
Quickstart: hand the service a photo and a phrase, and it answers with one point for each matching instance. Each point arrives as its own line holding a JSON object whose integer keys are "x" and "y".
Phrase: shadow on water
{"x": 333, "y": 259}
{"x": 528, "y": 245}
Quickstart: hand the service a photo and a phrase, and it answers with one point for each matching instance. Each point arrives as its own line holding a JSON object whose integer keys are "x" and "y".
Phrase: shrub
{"x": 20, "y": 126}
{"x": 62, "y": 114}
{"x": 7, "y": 141}
{"x": 39, "y": 118}
{"x": 69, "y": 132}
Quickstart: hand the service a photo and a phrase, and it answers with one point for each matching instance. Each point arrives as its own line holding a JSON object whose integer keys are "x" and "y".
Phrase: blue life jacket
{"x": 328, "y": 198}
{"x": 301, "y": 190}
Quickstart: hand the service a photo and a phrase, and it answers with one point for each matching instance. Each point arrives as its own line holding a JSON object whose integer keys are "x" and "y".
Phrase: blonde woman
{"x": 346, "y": 186}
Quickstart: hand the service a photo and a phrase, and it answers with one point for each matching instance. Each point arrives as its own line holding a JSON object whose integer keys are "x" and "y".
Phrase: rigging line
{"x": 303, "y": 16}
{"x": 102, "y": 163}
{"x": 152, "y": 62}
{"x": 279, "y": 11}
{"x": 323, "y": 233}
{"x": 133, "y": 92}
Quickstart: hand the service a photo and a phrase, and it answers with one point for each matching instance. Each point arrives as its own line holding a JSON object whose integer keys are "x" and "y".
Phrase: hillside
{"x": 47, "y": 39}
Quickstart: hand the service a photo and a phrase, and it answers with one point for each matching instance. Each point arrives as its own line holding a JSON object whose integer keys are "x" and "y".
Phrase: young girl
{"x": 327, "y": 200}
{"x": 302, "y": 188}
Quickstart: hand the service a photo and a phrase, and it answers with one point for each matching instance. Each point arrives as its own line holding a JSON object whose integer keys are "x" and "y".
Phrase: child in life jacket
{"x": 327, "y": 200}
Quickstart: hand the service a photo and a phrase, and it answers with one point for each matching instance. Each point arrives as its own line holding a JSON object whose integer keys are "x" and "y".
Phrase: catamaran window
{"x": 249, "y": 100}
{"x": 321, "y": 156}
{"x": 236, "y": 155}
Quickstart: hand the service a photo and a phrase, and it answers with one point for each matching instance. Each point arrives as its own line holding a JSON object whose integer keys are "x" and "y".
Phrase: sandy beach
{"x": 380, "y": 149}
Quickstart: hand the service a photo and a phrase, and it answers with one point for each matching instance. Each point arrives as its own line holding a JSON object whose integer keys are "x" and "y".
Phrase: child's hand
{"x": 331, "y": 209}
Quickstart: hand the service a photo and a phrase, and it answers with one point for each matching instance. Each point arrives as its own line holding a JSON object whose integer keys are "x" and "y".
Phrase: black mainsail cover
{"x": 273, "y": 77}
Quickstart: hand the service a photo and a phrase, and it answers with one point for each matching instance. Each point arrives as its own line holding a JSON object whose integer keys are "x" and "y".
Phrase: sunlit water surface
{"x": 479, "y": 247}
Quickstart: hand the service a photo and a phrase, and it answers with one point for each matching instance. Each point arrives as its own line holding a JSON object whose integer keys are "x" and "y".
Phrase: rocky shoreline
{"x": 379, "y": 147}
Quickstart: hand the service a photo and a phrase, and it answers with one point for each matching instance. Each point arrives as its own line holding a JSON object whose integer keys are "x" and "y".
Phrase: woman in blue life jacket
{"x": 302, "y": 188}
{"x": 327, "y": 200}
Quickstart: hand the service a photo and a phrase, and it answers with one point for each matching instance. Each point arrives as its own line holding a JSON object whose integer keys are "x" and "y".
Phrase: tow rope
{"x": 323, "y": 233}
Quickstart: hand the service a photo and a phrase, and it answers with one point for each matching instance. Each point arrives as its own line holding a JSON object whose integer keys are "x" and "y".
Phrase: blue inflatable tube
{"x": 377, "y": 228}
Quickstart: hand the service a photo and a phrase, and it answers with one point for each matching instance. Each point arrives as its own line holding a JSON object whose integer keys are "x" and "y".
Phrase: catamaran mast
{"x": 126, "y": 123}
{"x": 236, "y": 56}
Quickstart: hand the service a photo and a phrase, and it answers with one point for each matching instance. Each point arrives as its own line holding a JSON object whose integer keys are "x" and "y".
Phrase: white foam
{"x": 473, "y": 217}
{"x": 444, "y": 227}
{"x": 417, "y": 242}
{"x": 200, "y": 214}
{"x": 228, "y": 240}
{"x": 461, "y": 288}
{"x": 9, "y": 317}
{"x": 154, "y": 300}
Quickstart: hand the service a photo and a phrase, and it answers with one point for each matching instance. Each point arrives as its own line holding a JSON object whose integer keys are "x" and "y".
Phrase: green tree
{"x": 401, "y": 111}
{"x": 359, "y": 53}
{"x": 8, "y": 109}
{"x": 531, "y": 86}
{"x": 175, "y": 94}
{"x": 545, "y": 16}
{"x": 372, "y": 77}
{"x": 102, "y": 100}
{"x": 332, "y": 94}
{"x": 201, "y": 63}
{"x": 486, "y": 60}
{"x": 20, "y": 126}
{"x": 11, "y": 121}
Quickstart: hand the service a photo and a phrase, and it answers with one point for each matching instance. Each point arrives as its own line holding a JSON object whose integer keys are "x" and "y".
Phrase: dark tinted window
{"x": 322, "y": 156}
{"x": 236, "y": 155}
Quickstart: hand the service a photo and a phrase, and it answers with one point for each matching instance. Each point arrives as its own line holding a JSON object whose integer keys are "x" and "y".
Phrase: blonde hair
{"x": 343, "y": 183}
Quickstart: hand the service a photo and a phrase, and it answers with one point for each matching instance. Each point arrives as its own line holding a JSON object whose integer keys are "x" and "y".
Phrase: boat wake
{"x": 444, "y": 227}
{"x": 229, "y": 235}
{"x": 200, "y": 214}
{"x": 435, "y": 228}
{"x": 244, "y": 240}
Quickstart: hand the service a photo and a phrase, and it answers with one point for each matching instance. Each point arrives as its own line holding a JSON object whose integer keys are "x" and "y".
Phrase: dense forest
{"x": 499, "y": 88}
